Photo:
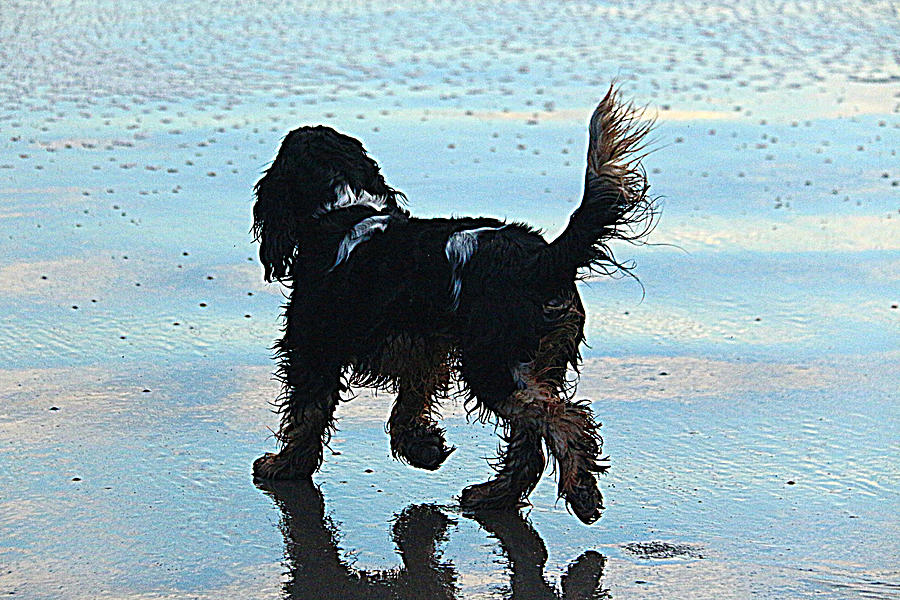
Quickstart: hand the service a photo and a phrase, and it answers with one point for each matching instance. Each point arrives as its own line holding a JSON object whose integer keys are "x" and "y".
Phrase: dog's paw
{"x": 585, "y": 500}
{"x": 275, "y": 466}
{"x": 428, "y": 456}
{"x": 266, "y": 466}
{"x": 422, "y": 447}
{"x": 490, "y": 495}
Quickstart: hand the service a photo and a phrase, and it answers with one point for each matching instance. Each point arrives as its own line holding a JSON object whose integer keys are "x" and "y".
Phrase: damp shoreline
{"x": 746, "y": 383}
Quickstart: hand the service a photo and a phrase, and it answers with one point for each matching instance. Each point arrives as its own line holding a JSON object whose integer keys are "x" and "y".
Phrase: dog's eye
{"x": 556, "y": 308}
{"x": 557, "y": 303}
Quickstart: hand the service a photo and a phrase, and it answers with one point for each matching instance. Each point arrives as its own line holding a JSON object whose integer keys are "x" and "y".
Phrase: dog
{"x": 423, "y": 307}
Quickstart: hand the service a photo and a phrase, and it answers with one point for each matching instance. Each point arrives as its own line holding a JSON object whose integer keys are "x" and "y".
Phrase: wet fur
{"x": 413, "y": 306}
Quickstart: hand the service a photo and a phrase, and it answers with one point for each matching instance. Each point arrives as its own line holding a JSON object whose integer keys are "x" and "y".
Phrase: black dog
{"x": 383, "y": 299}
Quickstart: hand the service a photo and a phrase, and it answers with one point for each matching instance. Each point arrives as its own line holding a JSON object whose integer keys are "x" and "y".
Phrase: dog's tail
{"x": 616, "y": 204}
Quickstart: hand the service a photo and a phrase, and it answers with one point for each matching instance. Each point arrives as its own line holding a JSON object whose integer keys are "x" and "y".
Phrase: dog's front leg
{"x": 415, "y": 436}
{"x": 311, "y": 393}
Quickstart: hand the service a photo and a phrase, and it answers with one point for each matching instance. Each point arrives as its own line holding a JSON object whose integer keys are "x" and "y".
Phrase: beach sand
{"x": 747, "y": 385}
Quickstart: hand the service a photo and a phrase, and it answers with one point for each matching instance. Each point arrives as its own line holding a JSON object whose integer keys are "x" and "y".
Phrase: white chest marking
{"x": 345, "y": 197}
{"x": 360, "y": 233}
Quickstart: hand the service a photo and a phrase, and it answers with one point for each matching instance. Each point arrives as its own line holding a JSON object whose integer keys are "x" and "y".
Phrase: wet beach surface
{"x": 747, "y": 387}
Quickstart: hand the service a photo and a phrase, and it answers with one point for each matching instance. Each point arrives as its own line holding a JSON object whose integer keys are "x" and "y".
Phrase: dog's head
{"x": 317, "y": 170}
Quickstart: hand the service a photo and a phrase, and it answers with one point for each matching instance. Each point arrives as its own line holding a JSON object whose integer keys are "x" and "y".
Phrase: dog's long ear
{"x": 317, "y": 170}
{"x": 277, "y": 225}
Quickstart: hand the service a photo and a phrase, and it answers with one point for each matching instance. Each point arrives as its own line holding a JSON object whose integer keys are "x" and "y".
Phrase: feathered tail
{"x": 616, "y": 204}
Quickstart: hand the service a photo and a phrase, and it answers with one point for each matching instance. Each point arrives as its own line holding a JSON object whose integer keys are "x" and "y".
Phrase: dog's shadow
{"x": 317, "y": 569}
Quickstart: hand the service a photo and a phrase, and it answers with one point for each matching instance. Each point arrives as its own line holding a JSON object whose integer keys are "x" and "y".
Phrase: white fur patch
{"x": 459, "y": 249}
{"x": 345, "y": 197}
{"x": 360, "y": 233}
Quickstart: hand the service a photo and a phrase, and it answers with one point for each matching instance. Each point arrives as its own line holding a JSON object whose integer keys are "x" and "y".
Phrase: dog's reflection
{"x": 318, "y": 571}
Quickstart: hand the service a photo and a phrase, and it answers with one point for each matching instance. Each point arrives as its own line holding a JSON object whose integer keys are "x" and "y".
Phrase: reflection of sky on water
{"x": 702, "y": 454}
{"x": 131, "y": 140}
{"x": 743, "y": 247}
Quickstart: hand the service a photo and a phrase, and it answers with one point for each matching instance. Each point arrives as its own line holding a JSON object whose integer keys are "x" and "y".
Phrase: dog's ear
{"x": 276, "y": 225}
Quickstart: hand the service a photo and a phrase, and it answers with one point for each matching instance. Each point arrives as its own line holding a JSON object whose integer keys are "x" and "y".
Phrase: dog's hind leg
{"x": 531, "y": 405}
{"x": 311, "y": 394}
{"x": 570, "y": 432}
{"x": 567, "y": 427}
{"x": 534, "y": 415}
{"x": 519, "y": 468}
{"x": 521, "y": 461}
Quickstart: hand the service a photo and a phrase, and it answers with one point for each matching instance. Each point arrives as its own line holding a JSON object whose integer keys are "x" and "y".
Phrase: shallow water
{"x": 748, "y": 387}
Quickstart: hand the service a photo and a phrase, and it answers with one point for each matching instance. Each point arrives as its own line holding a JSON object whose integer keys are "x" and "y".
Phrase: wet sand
{"x": 747, "y": 387}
